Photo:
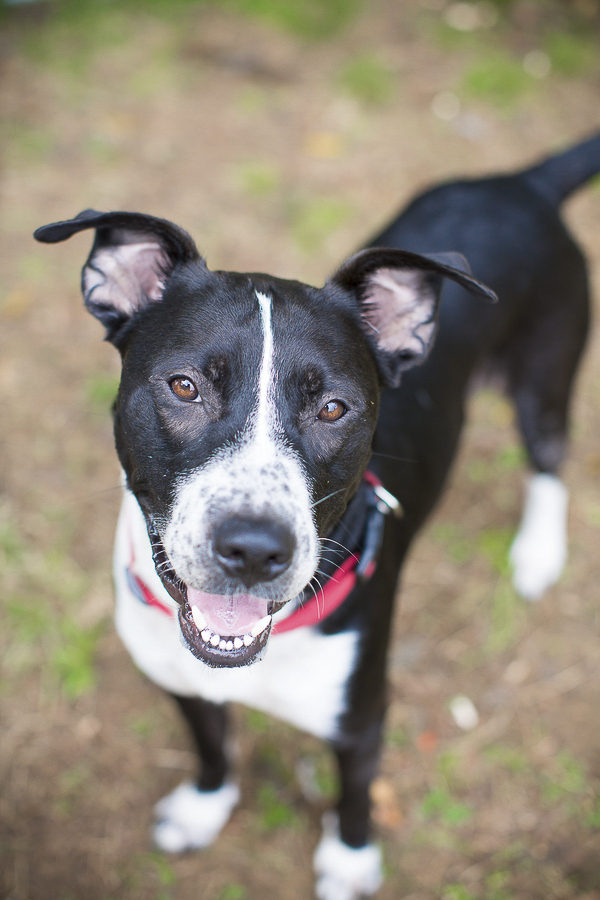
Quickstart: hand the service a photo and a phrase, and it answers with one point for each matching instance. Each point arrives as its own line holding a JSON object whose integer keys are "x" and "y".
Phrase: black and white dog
{"x": 266, "y": 427}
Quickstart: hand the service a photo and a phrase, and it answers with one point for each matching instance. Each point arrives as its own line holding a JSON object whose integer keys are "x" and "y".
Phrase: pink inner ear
{"x": 399, "y": 308}
{"x": 148, "y": 262}
{"x": 126, "y": 275}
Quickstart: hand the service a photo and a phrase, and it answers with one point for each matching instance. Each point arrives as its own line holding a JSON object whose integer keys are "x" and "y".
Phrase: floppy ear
{"x": 399, "y": 293}
{"x": 130, "y": 261}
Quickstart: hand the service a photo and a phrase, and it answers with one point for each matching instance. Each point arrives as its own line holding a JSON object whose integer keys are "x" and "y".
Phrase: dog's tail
{"x": 558, "y": 176}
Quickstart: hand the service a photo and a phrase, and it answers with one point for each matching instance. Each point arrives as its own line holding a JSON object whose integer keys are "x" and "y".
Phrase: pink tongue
{"x": 228, "y": 616}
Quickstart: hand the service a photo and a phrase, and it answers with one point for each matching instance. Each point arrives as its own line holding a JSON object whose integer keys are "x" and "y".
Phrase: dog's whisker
{"x": 402, "y": 459}
{"x": 323, "y": 499}
{"x": 337, "y": 551}
{"x": 93, "y": 495}
{"x": 344, "y": 549}
{"x": 316, "y": 593}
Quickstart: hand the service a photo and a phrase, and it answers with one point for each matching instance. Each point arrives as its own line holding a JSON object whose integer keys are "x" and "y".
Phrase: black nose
{"x": 253, "y": 550}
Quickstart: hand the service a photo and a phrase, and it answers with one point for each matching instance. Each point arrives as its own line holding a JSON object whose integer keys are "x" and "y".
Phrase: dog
{"x": 282, "y": 445}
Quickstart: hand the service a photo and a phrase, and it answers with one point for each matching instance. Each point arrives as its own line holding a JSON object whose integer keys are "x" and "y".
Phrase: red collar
{"x": 324, "y": 601}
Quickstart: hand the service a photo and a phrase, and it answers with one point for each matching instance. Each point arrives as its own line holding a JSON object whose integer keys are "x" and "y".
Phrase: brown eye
{"x": 184, "y": 388}
{"x": 332, "y": 411}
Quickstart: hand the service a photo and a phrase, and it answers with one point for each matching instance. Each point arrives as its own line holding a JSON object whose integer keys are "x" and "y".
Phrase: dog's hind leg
{"x": 541, "y": 378}
{"x": 193, "y": 815}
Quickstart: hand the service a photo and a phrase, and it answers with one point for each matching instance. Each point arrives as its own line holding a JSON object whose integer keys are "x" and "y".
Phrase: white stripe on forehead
{"x": 265, "y": 413}
{"x": 256, "y": 474}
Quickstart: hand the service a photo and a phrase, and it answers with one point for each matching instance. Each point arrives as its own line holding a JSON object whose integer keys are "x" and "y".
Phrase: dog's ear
{"x": 399, "y": 294}
{"x": 130, "y": 261}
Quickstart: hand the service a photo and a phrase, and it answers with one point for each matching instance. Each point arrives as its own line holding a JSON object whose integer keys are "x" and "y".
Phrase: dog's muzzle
{"x": 229, "y": 630}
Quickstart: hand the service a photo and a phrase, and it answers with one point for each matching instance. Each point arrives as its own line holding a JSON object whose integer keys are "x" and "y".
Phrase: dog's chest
{"x": 302, "y": 679}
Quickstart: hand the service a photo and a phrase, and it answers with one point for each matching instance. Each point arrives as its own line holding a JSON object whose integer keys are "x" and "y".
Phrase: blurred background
{"x": 281, "y": 134}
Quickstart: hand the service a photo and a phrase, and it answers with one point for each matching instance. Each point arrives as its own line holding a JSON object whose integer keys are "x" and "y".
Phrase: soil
{"x": 276, "y": 155}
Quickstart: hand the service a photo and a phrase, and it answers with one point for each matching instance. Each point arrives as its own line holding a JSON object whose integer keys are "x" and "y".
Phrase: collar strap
{"x": 323, "y": 602}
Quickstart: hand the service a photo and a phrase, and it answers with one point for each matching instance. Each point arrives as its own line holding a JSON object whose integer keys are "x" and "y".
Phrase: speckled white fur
{"x": 344, "y": 873}
{"x": 188, "y": 818}
{"x": 539, "y": 551}
{"x": 259, "y": 476}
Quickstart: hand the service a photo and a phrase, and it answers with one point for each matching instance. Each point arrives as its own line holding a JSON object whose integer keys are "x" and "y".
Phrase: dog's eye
{"x": 332, "y": 411}
{"x": 184, "y": 388}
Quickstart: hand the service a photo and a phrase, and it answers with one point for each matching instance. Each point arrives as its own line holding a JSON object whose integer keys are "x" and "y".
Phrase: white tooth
{"x": 247, "y": 640}
{"x": 205, "y": 635}
{"x": 199, "y": 618}
{"x": 237, "y": 643}
{"x": 260, "y": 626}
{"x": 222, "y": 645}
{"x": 215, "y": 640}
{"x": 229, "y": 645}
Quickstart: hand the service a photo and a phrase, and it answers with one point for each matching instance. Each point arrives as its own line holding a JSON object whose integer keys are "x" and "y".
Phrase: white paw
{"x": 189, "y": 818}
{"x": 539, "y": 551}
{"x": 344, "y": 873}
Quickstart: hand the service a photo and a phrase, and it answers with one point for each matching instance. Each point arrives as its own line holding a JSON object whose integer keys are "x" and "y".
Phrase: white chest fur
{"x": 302, "y": 678}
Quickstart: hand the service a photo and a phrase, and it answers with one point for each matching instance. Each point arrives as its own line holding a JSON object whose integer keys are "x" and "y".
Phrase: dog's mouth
{"x": 220, "y": 630}
{"x": 225, "y": 630}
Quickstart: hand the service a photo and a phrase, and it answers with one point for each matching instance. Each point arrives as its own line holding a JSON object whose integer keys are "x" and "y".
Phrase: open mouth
{"x": 220, "y": 630}
{"x": 225, "y": 630}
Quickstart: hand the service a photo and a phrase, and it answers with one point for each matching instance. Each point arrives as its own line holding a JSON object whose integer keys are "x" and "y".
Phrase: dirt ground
{"x": 282, "y": 153}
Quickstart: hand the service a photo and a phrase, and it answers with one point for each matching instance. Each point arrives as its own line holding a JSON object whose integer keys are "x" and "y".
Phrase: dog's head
{"x": 246, "y": 409}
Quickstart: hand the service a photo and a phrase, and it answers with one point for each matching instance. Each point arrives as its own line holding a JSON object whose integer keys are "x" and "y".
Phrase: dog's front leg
{"x": 346, "y": 865}
{"x": 193, "y": 814}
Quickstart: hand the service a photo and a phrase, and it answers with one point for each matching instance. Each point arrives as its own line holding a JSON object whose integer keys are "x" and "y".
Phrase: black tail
{"x": 557, "y": 176}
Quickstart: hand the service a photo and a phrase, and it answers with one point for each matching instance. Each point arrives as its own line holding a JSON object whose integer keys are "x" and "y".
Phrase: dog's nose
{"x": 253, "y": 550}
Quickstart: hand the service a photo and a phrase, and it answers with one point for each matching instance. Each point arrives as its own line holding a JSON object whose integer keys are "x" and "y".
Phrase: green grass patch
{"x": 30, "y": 618}
{"x": 101, "y": 390}
{"x": 367, "y": 79}
{"x": 510, "y": 458}
{"x": 440, "y": 804}
{"x": 73, "y": 658}
{"x": 451, "y": 536}
{"x": 507, "y": 610}
{"x": 399, "y": 738}
{"x": 143, "y": 726}
{"x": 479, "y": 471}
{"x": 257, "y": 721}
{"x": 158, "y": 866}
{"x": 318, "y": 776}
{"x": 96, "y": 25}
{"x": 57, "y": 568}
{"x": 75, "y": 32}
{"x": 258, "y": 179}
{"x": 509, "y": 758}
{"x": 570, "y": 54}
{"x": 233, "y": 891}
{"x": 447, "y": 764}
{"x": 498, "y": 886}
{"x": 11, "y": 546}
{"x": 593, "y": 817}
{"x": 313, "y": 221}
{"x": 508, "y": 615}
{"x": 310, "y": 19}
{"x": 456, "y": 892}
{"x": 494, "y": 544}
{"x": 26, "y": 144}
{"x": 497, "y": 78}
{"x": 274, "y": 812}
{"x": 565, "y": 777}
